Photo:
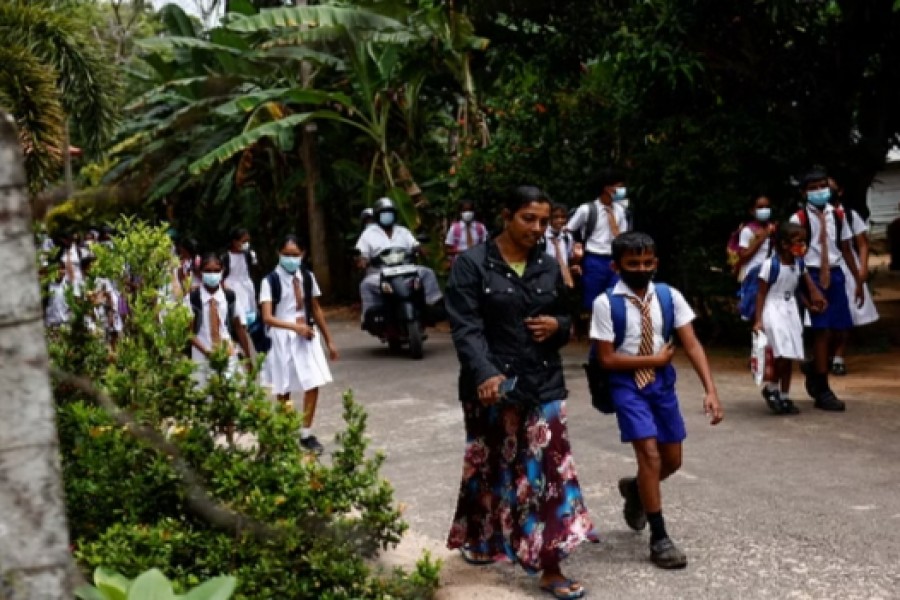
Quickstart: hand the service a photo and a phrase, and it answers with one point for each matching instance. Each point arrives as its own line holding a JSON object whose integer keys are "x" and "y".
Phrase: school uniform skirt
{"x": 783, "y": 325}
{"x": 295, "y": 364}
{"x": 865, "y": 314}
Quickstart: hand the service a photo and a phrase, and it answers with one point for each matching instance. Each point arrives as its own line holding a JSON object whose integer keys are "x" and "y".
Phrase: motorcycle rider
{"x": 382, "y": 234}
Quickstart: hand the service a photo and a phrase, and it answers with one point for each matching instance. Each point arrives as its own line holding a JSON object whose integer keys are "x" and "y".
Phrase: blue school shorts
{"x": 652, "y": 412}
{"x": 596, "y": 277}
{"x": 837, "y": 316}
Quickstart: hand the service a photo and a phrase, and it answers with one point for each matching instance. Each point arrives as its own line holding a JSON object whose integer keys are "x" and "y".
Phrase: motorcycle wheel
{"x": 416, "y": 342}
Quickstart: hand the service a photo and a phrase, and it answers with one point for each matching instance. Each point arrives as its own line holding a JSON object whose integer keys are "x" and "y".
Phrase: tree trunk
{"x": 34, "y": 555}
{"x": 318, "y": 238}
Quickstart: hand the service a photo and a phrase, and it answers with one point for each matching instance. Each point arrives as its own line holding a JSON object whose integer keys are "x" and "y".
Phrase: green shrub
{"x": 305, "y": 529}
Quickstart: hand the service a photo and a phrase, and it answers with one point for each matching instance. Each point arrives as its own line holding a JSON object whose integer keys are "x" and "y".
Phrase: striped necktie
{"x": 643, "y": 377}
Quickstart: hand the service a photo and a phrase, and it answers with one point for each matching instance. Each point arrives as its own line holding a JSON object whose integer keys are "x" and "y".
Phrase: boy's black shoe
{"x": 773, "y": 401}
{"x": 789, "y": 408}
{"x": 826, "y": 400}
{"x": 839, "y": 369}
{"x": 311, "y": 444}
{"x": 666, "y": 555}
{"x": 634, "y": 514}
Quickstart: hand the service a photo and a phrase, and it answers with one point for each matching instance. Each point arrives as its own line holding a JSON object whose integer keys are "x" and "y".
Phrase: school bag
{"x": 457, "y": 234}
{"x": 259, "y": 333}
{"x": 597, "y": 376}
{"x": 196, "y": 300}
{"x": 750, "y": 287}
{"x": 590, "y": 224}
{"x": 733, "y": 248}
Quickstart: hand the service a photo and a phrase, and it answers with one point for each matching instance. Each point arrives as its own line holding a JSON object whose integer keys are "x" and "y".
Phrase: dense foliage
{"x": 302, "y": 528}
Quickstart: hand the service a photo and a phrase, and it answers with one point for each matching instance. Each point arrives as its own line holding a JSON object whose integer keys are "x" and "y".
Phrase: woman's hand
{"x": 489, "y": 390}
{"x": 304, "y": 330}
{"x": 332, "y": 351}
{"x": 757, "y": 327}
{"x": 542, "y": 327}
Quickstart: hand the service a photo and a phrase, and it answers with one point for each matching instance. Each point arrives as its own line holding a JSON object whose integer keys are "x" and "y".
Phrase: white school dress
{"x": 293, "y": 364}
{"x": 204, "y": 335}
{"x": 747, "y": 236}
{"x": 241, "y": 284}
{"x": 867, "y": 313}
{"x": 781, "y": 315}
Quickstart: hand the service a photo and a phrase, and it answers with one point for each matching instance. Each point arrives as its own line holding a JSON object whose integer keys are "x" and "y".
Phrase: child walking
{"x": 778, "y": 314}
{"x": 638, "y": 357}
{"x": 290, "y": 308}
{"x": 217, "y": 321}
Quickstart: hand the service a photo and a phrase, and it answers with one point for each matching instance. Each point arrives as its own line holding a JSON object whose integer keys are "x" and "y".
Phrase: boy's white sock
{"x": 305, "y": 433}
{"x": 771, "y": 387}
{"x": 837, "y": 360}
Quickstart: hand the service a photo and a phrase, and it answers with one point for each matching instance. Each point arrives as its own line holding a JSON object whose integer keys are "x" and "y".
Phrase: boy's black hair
{"x": 787, "y": 230}
{"x": 816, "y": 173}
{"x": 466, "y": 202}
{"x": 293, "y": 239}
{"x": 632, "y": 241}
{"x": 524, "y": 195}
{"x": 209, "y": 257}
{"x": 559, "y": 206}
{"x": 607, "y": 177}
{"x": 756, "y": 196}
{"x": 237, "y": 233}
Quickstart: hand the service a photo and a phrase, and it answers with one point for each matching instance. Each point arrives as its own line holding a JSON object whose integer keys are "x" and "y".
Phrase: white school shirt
{"x": 204, "y": 334}
{"x": 456, "y": 235}
{"x": 287, "y": 309}
{"x": 374, "y": 239}
{"x": 602, "y": 325}
{"x": 813, "y": 256}
{"x": 102, "y": 284}
{"x": 565, "y": 244}
{"x": 240, "y": 282}
{"x": 74, "y": 255}
{"x": 746, "y": 238}
{"x": 601, "y": 238}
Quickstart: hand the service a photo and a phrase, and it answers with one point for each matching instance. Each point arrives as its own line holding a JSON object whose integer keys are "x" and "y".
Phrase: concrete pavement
{"x": 765, "y": 506}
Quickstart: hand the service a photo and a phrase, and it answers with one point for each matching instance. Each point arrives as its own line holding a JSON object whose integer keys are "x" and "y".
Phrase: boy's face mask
{"x": 818, "y": 198}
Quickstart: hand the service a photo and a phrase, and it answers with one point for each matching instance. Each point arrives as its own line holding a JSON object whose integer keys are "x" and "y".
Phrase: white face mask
{"x": 245, "y": 246}
{"x": 468, "y": 216}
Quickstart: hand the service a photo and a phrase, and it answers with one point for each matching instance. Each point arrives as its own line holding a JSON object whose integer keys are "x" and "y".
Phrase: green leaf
{"x": 89, "y": 592}
{"x": 114, "y": 586}
{"x": 151, "y": 585}
{"x": 315, "y": 17}
{"x": 217, "y": 588}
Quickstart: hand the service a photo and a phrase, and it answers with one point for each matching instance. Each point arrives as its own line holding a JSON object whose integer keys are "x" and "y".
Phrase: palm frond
{"x": 28, "y": 92}
{"x": 290, "y": 17}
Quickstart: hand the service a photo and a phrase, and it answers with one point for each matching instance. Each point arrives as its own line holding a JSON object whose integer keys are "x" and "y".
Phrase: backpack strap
{"x": 667, "y": 307}
{"x": 307, "y": 294}
{"x": 456, "y": 227}
{"x": 226, "y": 264}
{"x": 592, "y": 218}
{"x": 617, "y": 311}
{"x": 274, "y": 287}
{"x": 774, "y": 269}
{"x": 231, "y": 301}
{"x": 197, "y": 308}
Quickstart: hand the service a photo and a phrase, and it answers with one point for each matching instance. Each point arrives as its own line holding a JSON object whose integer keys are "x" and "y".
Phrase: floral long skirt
{"x": 519, "y": 496}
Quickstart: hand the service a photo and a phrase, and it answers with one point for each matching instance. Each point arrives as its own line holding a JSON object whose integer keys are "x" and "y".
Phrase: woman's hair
{"x": 208, "y": 258}
{"x": 787, "y": 230}
{"x": 237, "y": 233}
{"x": 754, "y": 197}
{"x": 522, "y": 196}
{"x": 632, "y": 241}
{"x": 292, "y": 239}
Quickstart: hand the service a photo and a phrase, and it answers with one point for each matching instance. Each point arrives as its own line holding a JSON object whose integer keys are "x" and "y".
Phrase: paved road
{"x": 765, "y": 507}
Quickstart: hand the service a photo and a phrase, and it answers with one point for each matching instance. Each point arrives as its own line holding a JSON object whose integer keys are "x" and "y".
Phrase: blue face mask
{"x": 619, "y": 194}
{"x": 289, "y": 263}
{"x": 212, "y": 280}
{"x": 763, "y": 214}
{"x": 818, "y": 198}
{"x": 386, "y": 219}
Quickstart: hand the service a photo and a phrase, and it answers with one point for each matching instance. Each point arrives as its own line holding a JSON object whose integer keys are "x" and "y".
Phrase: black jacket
{"x": 487, "y": 303}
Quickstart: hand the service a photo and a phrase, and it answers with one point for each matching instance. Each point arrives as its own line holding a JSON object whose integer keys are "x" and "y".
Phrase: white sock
{"x": 772, "y": 387}
{"x": 837, "y": 360}
{"x": 784, "y": 396}
{"x": 305, "y": 432}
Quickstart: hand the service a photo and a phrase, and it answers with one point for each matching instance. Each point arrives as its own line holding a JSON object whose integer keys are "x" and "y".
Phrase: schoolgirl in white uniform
{"x": 240, "y": 259}
{"x": 296, "y": 361}
{"x": 212, "y": 304}
{"x": 778, "y": 313}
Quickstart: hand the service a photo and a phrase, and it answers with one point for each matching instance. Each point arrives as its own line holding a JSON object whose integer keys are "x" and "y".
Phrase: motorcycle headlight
{"x": 386, "y": 288}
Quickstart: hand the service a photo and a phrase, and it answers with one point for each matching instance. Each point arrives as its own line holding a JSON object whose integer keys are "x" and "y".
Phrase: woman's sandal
{"x": 562, "y": 589}
{"x": 475, "y": 558}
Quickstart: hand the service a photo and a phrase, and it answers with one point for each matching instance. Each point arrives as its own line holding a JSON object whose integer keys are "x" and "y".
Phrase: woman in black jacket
{"x": 519, "y": 497}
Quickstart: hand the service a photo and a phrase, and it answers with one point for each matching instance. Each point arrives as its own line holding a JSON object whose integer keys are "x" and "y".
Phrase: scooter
{"x": 399, "y": 321}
